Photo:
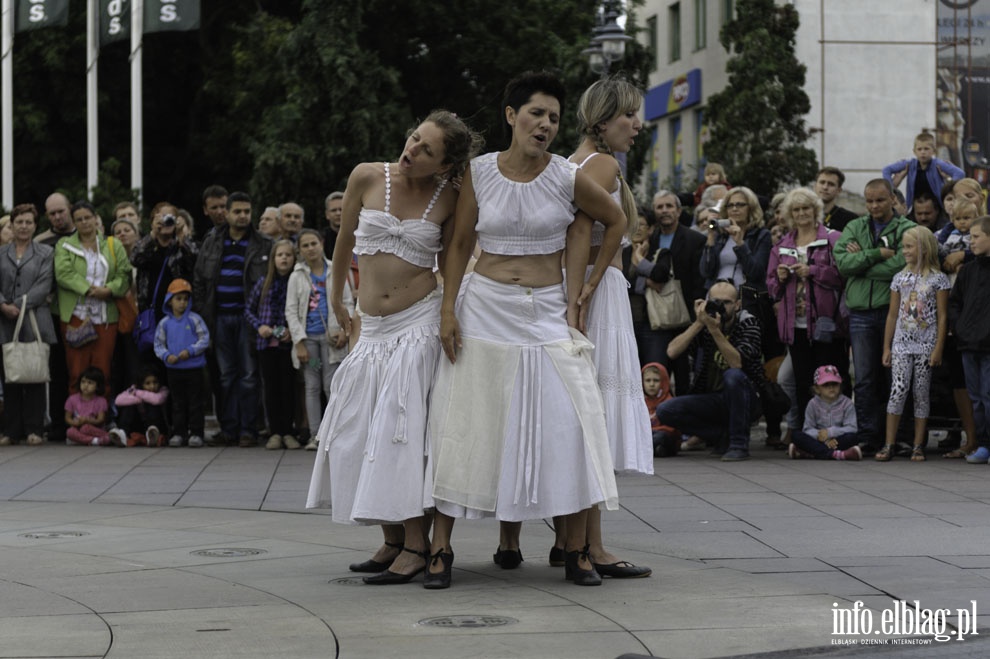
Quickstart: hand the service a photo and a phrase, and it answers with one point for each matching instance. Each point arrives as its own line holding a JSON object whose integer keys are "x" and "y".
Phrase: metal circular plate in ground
{"x": 468, "y": 621}
{"x": 228, "y": 552}
{"x": 47, "y": 535}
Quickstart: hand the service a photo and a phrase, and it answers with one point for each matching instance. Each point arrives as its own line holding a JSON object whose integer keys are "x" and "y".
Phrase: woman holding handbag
{"x": 25, "y": 270}
{"x": 89, "y": 276}
{"x": 803, "y": 277}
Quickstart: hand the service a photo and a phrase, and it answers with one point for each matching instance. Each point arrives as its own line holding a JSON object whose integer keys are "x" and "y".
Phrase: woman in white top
{"x": 516, "y": 417}
{"x": 608, "y": 120}
{"x": 371, "y": 466}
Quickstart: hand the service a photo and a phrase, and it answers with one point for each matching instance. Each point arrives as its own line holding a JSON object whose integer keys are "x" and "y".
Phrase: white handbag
{"x": 26, "y": 363}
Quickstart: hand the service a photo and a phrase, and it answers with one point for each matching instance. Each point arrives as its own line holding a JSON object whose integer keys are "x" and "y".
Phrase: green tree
{"x": 757, "y": 122}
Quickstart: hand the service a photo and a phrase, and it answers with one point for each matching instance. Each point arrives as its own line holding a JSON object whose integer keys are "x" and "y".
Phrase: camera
{"x": 718, "y": 225}
{"x": 715, "y": 308}
{"x": 168, "y": 221}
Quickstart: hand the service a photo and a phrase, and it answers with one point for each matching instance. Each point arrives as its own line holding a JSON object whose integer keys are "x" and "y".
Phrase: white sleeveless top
{"x": 414, "y": 241}
{"x": 520, "y": 219}
{"x": 598, "y": 229}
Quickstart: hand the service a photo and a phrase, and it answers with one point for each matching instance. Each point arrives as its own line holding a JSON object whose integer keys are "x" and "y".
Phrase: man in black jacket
{"x": 672, "y": 247}
{"x": 231, "y": 259}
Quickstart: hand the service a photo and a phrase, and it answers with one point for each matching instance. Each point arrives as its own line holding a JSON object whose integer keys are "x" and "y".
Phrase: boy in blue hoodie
{"x": 181, "y": 341}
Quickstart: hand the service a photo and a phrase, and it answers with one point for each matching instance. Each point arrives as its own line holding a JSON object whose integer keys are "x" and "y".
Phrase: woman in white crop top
{"x": 371, "y": 466}
{"x": 516, "y": 420}
{"x": 608, "y": 122}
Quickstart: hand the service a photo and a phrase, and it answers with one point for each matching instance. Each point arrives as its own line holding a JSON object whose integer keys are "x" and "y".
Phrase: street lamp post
{"x": 608, "y": 39}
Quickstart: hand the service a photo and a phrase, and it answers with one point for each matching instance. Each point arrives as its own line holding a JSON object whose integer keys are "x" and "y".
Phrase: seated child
{"x": 714, "y": 175}
{"x": 86, "y": 413}
{"x": 141, "y": 410}
{"x": 830, "y": 429}
{"x": 924, "y": 172}
{"x": 656, "y": 388}
{"x": 181, "y": 341}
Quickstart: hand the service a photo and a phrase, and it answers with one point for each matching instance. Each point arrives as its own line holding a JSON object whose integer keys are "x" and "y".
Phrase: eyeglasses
{"x": 803, "y": 209}
{"x": 737, "y": 204}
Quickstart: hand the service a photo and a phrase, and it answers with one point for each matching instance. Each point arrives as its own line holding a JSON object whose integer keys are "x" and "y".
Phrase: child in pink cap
{"x": 830, "y": 430}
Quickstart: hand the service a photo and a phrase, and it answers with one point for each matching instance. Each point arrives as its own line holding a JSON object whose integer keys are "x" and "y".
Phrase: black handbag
{"x": 774, "y": 399}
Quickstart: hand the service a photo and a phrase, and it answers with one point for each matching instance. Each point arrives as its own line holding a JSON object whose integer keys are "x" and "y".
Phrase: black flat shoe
{"x": 440, "y": 579}
{"x": 388, "y": 578}
{"x": 557, "y": 557}
{"x": 373, "y": 565}
{"x": 622, "y": 570}
{"x": 580, "y": 577}
{"x": 507, "y": 559}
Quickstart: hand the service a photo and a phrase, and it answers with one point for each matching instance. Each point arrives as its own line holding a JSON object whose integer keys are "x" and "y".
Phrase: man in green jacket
{"x": 868, "y": 255}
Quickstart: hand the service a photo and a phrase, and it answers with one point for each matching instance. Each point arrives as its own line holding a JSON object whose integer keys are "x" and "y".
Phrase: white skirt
{"x": 517, "y": 424}
{"x": 371, "y": 466}
{"x": 609, "y": 327}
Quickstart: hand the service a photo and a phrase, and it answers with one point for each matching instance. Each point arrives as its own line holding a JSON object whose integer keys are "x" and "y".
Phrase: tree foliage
{"x": 757, "y": 122}
{"x": 282, "y": 98}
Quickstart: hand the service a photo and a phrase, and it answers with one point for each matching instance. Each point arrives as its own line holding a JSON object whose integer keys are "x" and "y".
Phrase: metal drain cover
{"x": 468, "y": 621}
{"x": 46, "y": 535}
{"x": 228, "y": 552}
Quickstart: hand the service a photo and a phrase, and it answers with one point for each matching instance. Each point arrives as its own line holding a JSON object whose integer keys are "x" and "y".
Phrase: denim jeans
{"x": 317, "y": 374}
{"x": 872, "y": 386}
{"x": 711, "y": 415}
{"x": 238, "y": 375}
{"x": 652, "y": 346}
{"x": 976, "y": 365}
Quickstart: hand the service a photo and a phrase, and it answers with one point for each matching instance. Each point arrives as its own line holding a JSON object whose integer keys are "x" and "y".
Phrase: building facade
{"x": 871, "y": 79}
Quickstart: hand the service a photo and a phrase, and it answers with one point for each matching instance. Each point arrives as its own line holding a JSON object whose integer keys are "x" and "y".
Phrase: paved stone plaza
{"x": 209, "y": 553}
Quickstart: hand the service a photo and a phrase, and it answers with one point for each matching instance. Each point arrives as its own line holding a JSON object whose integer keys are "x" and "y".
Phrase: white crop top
{"x": 598, "y": 229}
{"x": 519, "y": 219}
{"x": 414, "y": 241}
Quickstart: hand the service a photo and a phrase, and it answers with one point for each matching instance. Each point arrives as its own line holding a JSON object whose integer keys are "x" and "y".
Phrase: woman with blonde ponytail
{"x": 608, "y": 121}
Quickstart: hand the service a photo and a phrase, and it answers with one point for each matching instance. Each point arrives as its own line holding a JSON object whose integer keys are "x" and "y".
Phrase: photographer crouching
{"x": 727, "y": 373}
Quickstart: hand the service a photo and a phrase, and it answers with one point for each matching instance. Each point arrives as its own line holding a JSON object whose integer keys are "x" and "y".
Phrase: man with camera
{"x": 727, "y": 373}
{"x": 672, "y": 252}
{"x": 161, "y": 254}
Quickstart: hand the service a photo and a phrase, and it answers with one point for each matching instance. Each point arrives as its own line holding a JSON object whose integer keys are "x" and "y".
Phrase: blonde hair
{"x": 924, "y": 136}
{"x": 605, "y": 100}
{"x": 715, "y": 168}
{"x": 962, "y": 204}
{"x": 927, "y": 249}
{"x": 754, "y": 214}
{"x": 974, "y": 186}
{"x": 799, "y": 196}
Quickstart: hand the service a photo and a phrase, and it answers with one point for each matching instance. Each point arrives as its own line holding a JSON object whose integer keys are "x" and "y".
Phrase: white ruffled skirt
{"x": 609, "y": 327}
{"x": 517, "y": 424}
{"x": 372, "y": 462}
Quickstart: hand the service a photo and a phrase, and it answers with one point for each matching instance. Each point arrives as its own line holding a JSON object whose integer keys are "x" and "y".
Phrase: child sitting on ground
{"x": 830, "y": 430}
{"x": 181, "y": 341}
{"x": 141, "y": 410}
{"x": 86, "y": 413}
{"x": 656, "y": 388}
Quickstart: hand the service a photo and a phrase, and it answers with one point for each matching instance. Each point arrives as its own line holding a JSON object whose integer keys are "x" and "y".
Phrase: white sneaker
{"x": 195, "y": 441}
{"x": 153, "y": 435}
{"x": 312, "y": 444}
{"x": 274, "y": 443}
{"x": 175, "y": 441}
{"x": 117, "y": 437}
{"x": 290, "y": 442}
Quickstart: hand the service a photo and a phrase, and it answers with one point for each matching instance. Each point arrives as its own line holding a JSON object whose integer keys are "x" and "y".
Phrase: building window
{"x": 674, "y": 25}
{"x": 653, "y": 38}
{"x": 726, "y": 11}
{"x": 700, "y": 24}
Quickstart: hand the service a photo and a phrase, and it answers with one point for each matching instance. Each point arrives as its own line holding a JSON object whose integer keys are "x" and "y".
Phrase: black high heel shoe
{"x": 574, "y": 573}
{"x": 440, "y": 579}
{"x": 371, "y": 565}
{"x": 388, "y": 578}
{"x": 507, "y": 559}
